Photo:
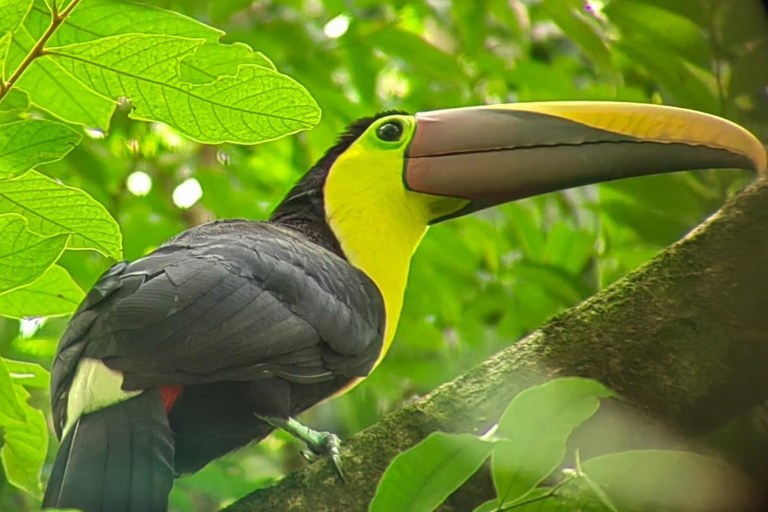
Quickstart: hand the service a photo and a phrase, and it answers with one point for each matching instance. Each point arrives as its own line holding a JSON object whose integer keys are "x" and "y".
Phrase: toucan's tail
{"x": 117, "y": 459}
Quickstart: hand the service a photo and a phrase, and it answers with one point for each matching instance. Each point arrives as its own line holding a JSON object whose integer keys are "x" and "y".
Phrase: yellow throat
{"x": 378, "y": 223}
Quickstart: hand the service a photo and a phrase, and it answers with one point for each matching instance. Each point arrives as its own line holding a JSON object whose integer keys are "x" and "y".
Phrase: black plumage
{"x": 246, "y": 303}
{"x": 249, "y": 318}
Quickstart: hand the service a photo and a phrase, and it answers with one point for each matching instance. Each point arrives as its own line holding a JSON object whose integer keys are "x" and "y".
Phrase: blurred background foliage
{"x": 478, "y": 283}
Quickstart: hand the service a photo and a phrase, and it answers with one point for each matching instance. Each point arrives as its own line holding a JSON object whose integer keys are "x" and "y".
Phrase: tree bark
{"x": 684, "y": 341}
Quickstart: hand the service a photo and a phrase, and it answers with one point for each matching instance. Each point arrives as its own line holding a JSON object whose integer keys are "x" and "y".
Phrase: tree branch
{"x": 684, "y": 339}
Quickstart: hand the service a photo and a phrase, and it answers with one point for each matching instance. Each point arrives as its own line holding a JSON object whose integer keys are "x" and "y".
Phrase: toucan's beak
{"x": 494, "y": 154}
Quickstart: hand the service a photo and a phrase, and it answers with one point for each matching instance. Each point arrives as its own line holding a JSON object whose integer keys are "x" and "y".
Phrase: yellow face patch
{"x": 378, "y": 222}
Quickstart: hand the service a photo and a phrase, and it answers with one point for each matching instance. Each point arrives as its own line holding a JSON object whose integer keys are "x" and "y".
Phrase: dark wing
{"x": 226, "y": 301}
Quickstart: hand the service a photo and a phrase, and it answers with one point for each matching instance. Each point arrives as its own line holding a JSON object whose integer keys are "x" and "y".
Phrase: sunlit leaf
{"x": 255, "y": 106}
{"x": 24, "y": 448}
{"x": 53, "y": 89}
{"x": 52, "y": 208}
{"x": 420, "y": 479}
{"x": 213, "y": 60}
{"x": 14, "y": 100}
{"x": 29, "y": 375}
{"x": 25, "y": 144}
{"x": 52, "y": 294}
{"x": 24, "y": 255}
{"x": 95, "y": 19}
{"x": 535, "y": 428}
{"x": 11, "y": 408}
{"x": 13, "y": 12}
{"x": 5, "y": 44}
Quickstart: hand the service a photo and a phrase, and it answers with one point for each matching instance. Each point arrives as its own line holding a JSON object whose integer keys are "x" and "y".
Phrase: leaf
{"x": 96, "y": 19}
{"x": 41, "y": 349}
{"x": 417, "y": 52}
{"x": 669, "y": 480}
{"x": 13, "y": 12}
{"x": 420, "y": 479}
{"x": 5, "y": 44}
{"x": 535, "y": 427}
{"x": 54, "y": 293}
{"x": 255, "y": 106}
{"x": 29, "y": 375}
{"x": 24, "y": 256}
{"x": 578, "y": 30}
{"x": 53, "y": 89}
{"x": 25, "y": 144}
{"x": 10, "y": 407}
{"x": 25, "y": 447}
{"x": 52, "y": 208}
{"x": 14, "y": 100}
{"x": 670, "y": 32}
{"x": 213, "y": 60}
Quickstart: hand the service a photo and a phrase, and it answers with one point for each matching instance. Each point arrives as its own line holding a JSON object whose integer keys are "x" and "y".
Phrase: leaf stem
{"x": 57, "y": 18}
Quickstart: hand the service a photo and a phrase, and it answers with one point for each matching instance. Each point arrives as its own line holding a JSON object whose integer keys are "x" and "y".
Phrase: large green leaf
{"x": 29, "y": 375}
{"x": 14, "y": 100}
{"x": 670, "y": 480}
{"x": 535, "y": 427}
{"x": 13, "y": 12}
{"x": 24, "y": 449}
{"x": 24, "y": 255}
{"x": 53, "y": 89}
{"x": 11, "y": 409}
{"x": 420, "y": 479}
{"x": 52, "y": 208}
{"x": 95, "y": 19}
{"x": 25, "y": 144}
{"x": 256, "y": 105}
{"x": 54, "y": 293}
{"x": 213, "y": 60}
{"x": 5, "y": 44}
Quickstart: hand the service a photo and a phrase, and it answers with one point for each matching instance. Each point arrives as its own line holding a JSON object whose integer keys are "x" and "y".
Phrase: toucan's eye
{"x": 390, "y": 132}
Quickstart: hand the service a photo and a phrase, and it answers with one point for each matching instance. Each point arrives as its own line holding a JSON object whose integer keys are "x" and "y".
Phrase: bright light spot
{"x": 95, "y": 133}
{"x": 29, "y": 326}
{"x": 188, "y": 193}
{"x": 168, "y": 135}
{"x": 393, "y": 84}
{"x": 337, "y": 27}
{"x": 139, "y": 183}
{"x": 595, "y": 8}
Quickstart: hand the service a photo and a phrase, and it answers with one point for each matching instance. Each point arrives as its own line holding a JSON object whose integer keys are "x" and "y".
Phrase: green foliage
{"x": 75, "y": 64}
{"x": 528, "y": 446}
{"x": 73, "y": 114}
{"x": 256, "y": 105}
{"x": 535, "y": 427}
{"x": 54, "y": 209}
{"x": 25, "y": 144}
{"x": 423, "y": 477}
{"x": 24, "y": 254}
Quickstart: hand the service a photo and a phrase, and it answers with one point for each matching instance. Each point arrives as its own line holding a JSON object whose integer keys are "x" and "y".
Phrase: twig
{"x": 56, "y": 20}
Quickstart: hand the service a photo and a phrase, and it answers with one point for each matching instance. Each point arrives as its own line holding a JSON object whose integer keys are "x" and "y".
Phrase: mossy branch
{"x": 684, "y": 339}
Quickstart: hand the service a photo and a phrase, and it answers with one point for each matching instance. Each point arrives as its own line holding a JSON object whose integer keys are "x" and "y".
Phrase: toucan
{"x": 233, "y": 328}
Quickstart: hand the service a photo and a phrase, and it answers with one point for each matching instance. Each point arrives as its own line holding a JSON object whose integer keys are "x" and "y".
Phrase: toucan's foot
{"x": 318, "y": 443}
